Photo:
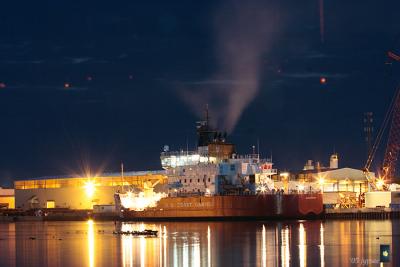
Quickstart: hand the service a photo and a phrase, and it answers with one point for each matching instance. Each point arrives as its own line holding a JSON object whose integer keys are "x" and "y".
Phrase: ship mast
{"x": 207, "y": 118}
{"x": 122, "y": 177}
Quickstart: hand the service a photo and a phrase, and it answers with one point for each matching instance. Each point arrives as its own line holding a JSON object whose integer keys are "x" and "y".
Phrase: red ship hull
{"x": 233, "y": 207}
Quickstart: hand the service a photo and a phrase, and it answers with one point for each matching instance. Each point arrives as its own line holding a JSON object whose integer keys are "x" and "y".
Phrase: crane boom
{"x": 393, "y": 144}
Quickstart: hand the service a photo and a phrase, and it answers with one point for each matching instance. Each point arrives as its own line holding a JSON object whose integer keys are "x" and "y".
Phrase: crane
{"x": 393, "y": 144}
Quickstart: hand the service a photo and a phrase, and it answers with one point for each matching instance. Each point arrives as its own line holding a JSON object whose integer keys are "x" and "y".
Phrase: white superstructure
{"x": 239, "y": 174}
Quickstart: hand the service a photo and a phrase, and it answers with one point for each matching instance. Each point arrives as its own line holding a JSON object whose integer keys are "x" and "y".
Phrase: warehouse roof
{"x": 106, "y": 174}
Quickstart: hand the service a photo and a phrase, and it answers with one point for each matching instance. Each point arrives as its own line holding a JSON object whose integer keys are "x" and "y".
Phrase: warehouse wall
{"x": 68, "y": 197}
{"x": 9, "y": 201}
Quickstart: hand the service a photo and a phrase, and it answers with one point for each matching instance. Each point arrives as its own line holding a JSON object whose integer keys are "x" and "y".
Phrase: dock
{"x": 362, "y": 213}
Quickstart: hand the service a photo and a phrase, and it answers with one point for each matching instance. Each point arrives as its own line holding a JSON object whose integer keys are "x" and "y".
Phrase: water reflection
{"x": 142, "y": 251}
{"x": 127, "y": 248}
{"x": 302, "y": 243}
{"x": 285, "y": 244}
{"x": 185, "y": 255}
{"x": 264, "y": 247}
{"x": 322, "y": 246}
{"x": 302, "y": 246}
{"x": 165, "y": 234}
{"x": 90, "y": 243}
{"x": 208, "y": 246}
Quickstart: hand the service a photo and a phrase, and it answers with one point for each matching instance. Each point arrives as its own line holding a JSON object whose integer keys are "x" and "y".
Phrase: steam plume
{"x": 243, "y": 32}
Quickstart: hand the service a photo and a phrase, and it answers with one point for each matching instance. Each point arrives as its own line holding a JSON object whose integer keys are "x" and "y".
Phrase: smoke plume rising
{"x": 243, "y": 34}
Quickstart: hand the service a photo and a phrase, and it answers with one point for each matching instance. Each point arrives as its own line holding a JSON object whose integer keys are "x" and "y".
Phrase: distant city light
{"x": 67, "y": 85}
{"x": 2, "y": 85}
{"x": 322, "y": 80}
{"x": 89, "y": 78}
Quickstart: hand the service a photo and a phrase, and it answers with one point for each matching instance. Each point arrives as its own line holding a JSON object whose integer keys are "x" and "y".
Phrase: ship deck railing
{"x": 278, "y": 192}
{"x": 179, "y": 153}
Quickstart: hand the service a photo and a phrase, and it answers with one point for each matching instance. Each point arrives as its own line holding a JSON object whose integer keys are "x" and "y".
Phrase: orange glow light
{"x": 322, "y": 80}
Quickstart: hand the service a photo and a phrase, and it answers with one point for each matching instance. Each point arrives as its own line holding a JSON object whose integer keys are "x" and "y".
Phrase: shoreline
{"x": 328, "y": 214}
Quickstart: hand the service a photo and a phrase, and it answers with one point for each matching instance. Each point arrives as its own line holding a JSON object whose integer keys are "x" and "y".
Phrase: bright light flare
{"x": 301, "y": 187}
{"x": 321, "y": 182}
{"x": 380, "y": 183}
{"x": 90, "y": 187}
{"x": 262, "y": 188}
{"x": 139, "y": 202}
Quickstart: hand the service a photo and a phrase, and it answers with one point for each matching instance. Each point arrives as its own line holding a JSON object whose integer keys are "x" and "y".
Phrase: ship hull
{"x": 279, "y": 206}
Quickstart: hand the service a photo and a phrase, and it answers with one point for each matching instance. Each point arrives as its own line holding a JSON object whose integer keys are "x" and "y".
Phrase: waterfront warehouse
{"x": 80, "y": 192}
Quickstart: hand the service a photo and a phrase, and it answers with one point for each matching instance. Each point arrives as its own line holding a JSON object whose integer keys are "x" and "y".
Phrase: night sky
{"x": 139, "y": 73}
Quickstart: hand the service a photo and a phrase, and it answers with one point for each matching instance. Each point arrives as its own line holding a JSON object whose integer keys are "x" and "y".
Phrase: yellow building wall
{"x": 74, "y": 193}
{"x": 69, "y": 197}
{"x": 9, "y": 200}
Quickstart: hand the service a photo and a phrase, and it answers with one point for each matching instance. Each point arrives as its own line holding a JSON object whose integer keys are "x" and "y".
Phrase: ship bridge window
{"x": 190, "y": 180}
{"x": 185, "y": 180}
{"x": 209, "y": 179}
{"x": 232, "y": 167}
{"x": 198, "y": 180}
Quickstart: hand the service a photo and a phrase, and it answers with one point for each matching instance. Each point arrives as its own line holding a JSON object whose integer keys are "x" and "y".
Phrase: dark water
{"x": 294, "y": 243}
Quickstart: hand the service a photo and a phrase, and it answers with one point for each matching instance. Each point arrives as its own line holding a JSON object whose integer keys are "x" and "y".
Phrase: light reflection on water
{"x": 322, "y": 246}
{"x": 295, "y": 243}
{"x": 91, "y": 241}
{"x": 302, "y": 246}
{"x": 264, "y": 247}
{"x": 285, "y": 245}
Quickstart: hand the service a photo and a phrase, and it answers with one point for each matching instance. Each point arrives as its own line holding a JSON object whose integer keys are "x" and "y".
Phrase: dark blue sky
{"x": 168, "y": 46}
